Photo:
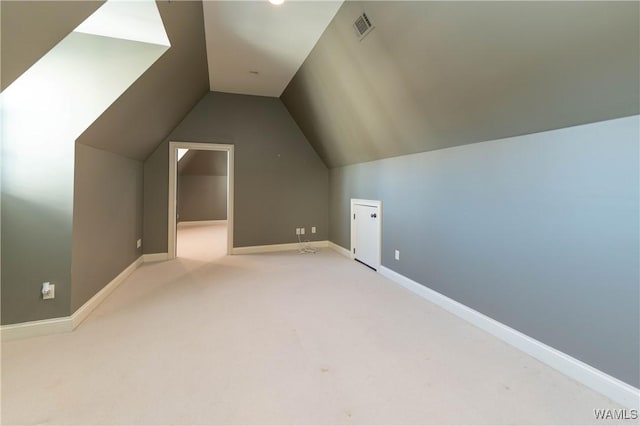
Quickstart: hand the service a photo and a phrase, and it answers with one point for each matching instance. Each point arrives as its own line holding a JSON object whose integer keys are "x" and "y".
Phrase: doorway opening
{"x": 200, "y": 200}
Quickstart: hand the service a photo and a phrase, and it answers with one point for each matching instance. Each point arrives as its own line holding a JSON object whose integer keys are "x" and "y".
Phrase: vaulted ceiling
{"x": 433, "y": 75}
{"x": 430, "y": 75}
{"x": 143, "y": 115}
{"x": 155, "y": 104}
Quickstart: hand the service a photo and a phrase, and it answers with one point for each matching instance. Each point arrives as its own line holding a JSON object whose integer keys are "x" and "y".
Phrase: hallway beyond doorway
{"x": 205, "y": 240}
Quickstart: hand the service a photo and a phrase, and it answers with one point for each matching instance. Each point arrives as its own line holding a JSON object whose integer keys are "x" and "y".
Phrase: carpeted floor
{"x": 278, "y": 338}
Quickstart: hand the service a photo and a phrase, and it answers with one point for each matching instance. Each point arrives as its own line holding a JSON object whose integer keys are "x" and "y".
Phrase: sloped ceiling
{"x": 433, "y": 75}
{"x": 203, "y": 163}
{"x": 145, "y": 114}
{"x": 29, "y": 29}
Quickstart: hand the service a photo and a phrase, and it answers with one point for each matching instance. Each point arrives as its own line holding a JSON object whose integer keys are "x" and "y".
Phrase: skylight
{"x": 137, "y": 20}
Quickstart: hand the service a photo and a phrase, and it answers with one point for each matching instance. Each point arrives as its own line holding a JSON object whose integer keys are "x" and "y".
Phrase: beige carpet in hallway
{"x": 277, "y": 338}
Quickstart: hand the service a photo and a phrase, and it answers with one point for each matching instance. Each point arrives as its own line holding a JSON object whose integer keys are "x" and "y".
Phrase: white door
{"x": 366, "y": 222}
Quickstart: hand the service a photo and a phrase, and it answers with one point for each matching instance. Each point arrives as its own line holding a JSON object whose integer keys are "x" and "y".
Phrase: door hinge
{"x": 354, "y": 250}
{"x": 354, "y": 216}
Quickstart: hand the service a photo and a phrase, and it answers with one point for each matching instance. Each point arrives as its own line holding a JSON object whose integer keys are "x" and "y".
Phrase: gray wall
{"x": 280, "y": 182}
{"x": 201, "y": 162}
{"x": 38, "y": 163}
{"x": 202, "y": 186}
{"x": 202, "y": 198}
{"x": 36, "y": 244}
{"x": 37, "y": 211}
{"x": 107, "y": 220}
{"x": 539, "y": 232}
{"x": 432, "y": 75}
{"x": 155, "y": 204}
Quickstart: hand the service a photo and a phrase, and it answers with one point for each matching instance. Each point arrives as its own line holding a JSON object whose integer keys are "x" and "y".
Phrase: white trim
{"x": 188, "y": 223}
{"x": 278, "y": 247}
{"x": 83, "y": 312}
{"x": 67, "y": 324}
{"x": 36, "y": 328}
{"x": 155, "y": 257}
{"x": 614, "y": 389}
{"x": 371, "y": 203}
{"x": 341, "y": 250}
{"x": 171, "y": 222}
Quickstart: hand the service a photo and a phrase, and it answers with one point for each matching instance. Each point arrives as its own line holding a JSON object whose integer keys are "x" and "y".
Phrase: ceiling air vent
{"x": 362, "y": 26}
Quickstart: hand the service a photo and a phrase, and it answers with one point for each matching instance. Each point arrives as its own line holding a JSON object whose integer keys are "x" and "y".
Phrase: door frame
{"x": 173, "y": 176}
{"x": 371, "y": 203}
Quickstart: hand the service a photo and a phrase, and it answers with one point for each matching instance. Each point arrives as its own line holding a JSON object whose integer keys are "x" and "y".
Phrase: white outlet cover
{"x": 313, "y": 229}
{"x": 51, "y": 294}
{"x": 397, "y": 254}
{"x": 302, "y": 231}
{"x": 297, "y": 231}
{"x": 139, "y": 243}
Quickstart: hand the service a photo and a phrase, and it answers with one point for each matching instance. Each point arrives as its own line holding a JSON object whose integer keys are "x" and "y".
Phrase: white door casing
{"x": 173, "y": 151}
{"x": 366, "y": 231}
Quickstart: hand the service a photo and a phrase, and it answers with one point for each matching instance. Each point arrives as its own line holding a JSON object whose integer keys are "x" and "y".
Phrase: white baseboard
{"x": 154, "y": 257}
{"x": 67, "y": 324}
{"x": 277, "y": 247}
{"x": 341, "y": 250}
{"x": 36, "y": 328}
{"x": 609, "y": 386}
{"x": 83, "y": 311}
{"x": 201, "y": 222}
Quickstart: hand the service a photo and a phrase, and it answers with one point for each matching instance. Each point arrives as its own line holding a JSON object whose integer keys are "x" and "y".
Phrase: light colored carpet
{"x": 277, "y": 339}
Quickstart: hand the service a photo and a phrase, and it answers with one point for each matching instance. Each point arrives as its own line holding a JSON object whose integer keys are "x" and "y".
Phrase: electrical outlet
{"x": 397, "y": 254}
{"x": 48, "y": 291}
{"x": 139, "y": 243}
{"x": 313, "y": 229}
{"x": 297, "y": 231}
{"x": 301, "y": 231}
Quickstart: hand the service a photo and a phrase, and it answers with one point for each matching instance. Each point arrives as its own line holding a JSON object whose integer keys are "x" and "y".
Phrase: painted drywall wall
{"x": 132, "y": 126}
{"x": 151, "y": 107}
{"x": 29, "y": 29}
{"x": 280, "y": 182}
{"x": 202, "y": 186}
{"x": 199, "y": 162}
{"x": 107, "y": 219}
{"x": 155, "y": 204}
{"x": 43, "y": 112}
{"x": 202, "y": 198}
{"x": 539, "y": 232}
{"x": 431, "y": 75}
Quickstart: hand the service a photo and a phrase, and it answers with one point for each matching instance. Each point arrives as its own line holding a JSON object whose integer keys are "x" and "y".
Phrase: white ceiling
{"x": 245, "y": 36}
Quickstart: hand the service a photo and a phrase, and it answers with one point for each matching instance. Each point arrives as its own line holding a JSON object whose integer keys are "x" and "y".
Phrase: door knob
{"x": 373, "y": 215}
